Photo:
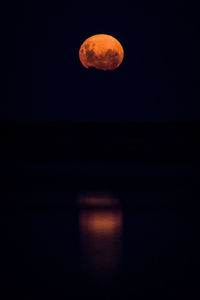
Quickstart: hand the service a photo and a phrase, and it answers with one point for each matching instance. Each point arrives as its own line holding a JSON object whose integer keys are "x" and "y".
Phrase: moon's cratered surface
{"x": 101, "y": 51}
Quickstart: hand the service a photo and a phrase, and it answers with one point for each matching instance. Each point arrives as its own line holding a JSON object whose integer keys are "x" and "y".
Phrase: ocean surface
{"x": 99, "y": 210}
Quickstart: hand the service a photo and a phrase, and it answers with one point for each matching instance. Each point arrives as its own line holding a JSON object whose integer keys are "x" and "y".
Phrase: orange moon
{"x": 101, "y": 51}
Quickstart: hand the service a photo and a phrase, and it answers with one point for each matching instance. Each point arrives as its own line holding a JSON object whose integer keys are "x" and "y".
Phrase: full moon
{"x": 101, "y": 51}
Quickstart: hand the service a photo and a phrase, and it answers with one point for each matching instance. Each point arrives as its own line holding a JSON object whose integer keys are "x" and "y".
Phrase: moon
{"x": 101, "y": 51}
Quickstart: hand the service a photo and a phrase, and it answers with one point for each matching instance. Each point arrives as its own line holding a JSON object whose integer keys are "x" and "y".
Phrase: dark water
{"x": 99, "y": 252}
{"x": 110, "y": 215}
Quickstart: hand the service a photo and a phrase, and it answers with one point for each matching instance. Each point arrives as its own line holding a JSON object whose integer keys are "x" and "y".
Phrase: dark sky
{"x": 158, "y": 79}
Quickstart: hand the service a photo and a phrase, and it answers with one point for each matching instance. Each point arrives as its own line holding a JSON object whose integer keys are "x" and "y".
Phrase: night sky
{"x": 45, "y": 81}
